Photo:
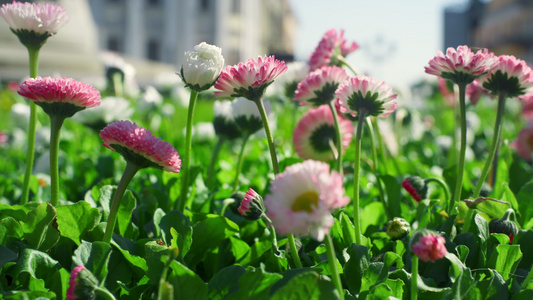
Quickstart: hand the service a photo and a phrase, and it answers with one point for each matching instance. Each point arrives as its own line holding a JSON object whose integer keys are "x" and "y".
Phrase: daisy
{"x": 331, "y": 50}
{"x": 315, "y": 134}
{"x": 302, "y": 197}
{"x": 319, "y": 86}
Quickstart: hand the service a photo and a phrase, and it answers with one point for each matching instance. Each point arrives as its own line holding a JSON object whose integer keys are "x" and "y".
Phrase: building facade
{"x": 162, "y": 30}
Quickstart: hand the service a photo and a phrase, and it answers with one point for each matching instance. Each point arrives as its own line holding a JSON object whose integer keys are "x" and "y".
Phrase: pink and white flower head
{"x": 524, "y": 142}
{"x": 510, "y": 75}
{"x": 366, "y": 94}
{"x": 331, "y": 46}
{"x": 319, "y": 86}
{"x": 461, "y": 66}
{"x": 60, "y": 96}
{"x": 33, "y": 23}
{"x": 82, "y": 284}
{"x": 138, "y": 146}
{"x": 286, "y": 84}
{"x": 430, "y": 247}
{"x": 202, "y": 66}
{"x": 315, "y": 135}
{"x": 527, "y": 106}
{"x": 302, "y": 197}
{"x": 250, "y": 79}
{"x": 251, "y": 207}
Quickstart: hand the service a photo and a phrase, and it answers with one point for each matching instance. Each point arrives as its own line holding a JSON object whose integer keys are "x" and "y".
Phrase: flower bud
{"x": 251, "y": 206}
{"x": 202, "y": 66}
{"x": 504, "y": 225}
{"x": 82, "y": 284}
{"x": 429, "y": 246}
{"x": 416, "y": 187}
{"x": 398, "y": 228}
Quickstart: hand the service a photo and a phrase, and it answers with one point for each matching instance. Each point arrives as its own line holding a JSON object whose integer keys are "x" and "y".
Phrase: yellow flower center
{"x": 305, "y": 202}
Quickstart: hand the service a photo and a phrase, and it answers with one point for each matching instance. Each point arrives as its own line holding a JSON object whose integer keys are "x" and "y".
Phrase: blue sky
{"x": 397, "y": 38}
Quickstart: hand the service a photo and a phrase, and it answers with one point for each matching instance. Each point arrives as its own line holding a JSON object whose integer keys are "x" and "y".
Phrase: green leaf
{"x": 524, "y": 202}
{"x": 239, "y": 248}
{"x": 255, "y": 285}
{"x": 177, "y": 220}
{"x": 153, "y": 253}
{"x": 6, "y": 255}
{"x": 356, "y": 265}
{"x": 104, "y": 195}
{"x": 207, "y": 235}
{"x": 508, "y": 196}
{"x": 137, "y": 263}
{"x": 386, "y": 290}
{"x": 24, "y": 295}
{"x": 187, "y": 285}
{"x": 393, "y": 189}
{"x": 494, "y": 287}
{"x": 225, "y": 282}
{"x": 75, "y": 220}
{"x": 40, "y": 227}
{"x": 17, "y": 212}
{"x": 371, "y": 275}
{"x": 10, "y": 229}
{"x": 124, "y": 214}
{"x": 95, "y": 257}
{"x": 38, "y": 270}
{"x": 505, "y": 259}
{"x": 307, "y": 285}
{"x": 373, "y": 213}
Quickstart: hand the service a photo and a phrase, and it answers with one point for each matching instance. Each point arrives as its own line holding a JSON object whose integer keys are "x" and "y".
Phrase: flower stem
{"x": 129, "y": 172}
{"x": 344, "y": 62}
{"x": 264, "y": 117}
{"x": 294, "y": 251}
{"x": 381, "y": 145}
{"x": 186, "y": 161}
{"x": 338, "y": 137}
{"x": 239, "y": 163}
{"x": 212, "y": 163}
{"x": 488, "y": 162}
{"x": 414, "y": 277}
{"x": 274, "y": 239}
{"x": 357, "y": 160}
{"x": 460, "y": 166}
{"x": 376, "y": 169}
{"x": 444, "y": 188}
{"x": 118, "y": 84}
{"x": 55, "y": 129}
{"x": 34, "y": 68}
{"x": 332, "y": 260}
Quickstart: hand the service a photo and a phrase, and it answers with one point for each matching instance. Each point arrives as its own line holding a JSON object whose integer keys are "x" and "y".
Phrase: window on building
{"x": 113, "y": 44}
{"x": 153, "y": 50}
{"x": 236, "y": 6}
{"x": 154, "y": 2}
{"x": 204, "y": 5}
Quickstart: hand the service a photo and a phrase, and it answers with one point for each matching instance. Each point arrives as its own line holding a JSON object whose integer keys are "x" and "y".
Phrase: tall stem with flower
{"x": 363, "y": 96}
{"x": 200, "y": 70}
{"x": 33, "y": 24}
{"x": 60, "y": 98}
{"x": 141, "y": 150}
{"x": 462, "y": 67}
{"x": 510, "y": 77}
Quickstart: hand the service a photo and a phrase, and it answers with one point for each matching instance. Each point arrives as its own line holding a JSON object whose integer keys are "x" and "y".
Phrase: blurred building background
{"x": 153, "y": 35}
{"x": 502, "y": 26}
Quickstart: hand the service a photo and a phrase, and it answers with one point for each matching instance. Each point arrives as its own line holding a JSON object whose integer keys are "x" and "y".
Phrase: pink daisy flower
{"x": 430, "y": 247}
{"x": 60, "y": 96}
{"x": 315, "y": 134}
{"x": 251, "y": 206}
{"x": 366, "y": 94}
{"x": 510, "y": 75}
{"x": 416, "y": 187}
{"x": 302, "y": 197}
{"x": 524, "y": 142}
{"x": 73, "y": 282}
{"x": 320, "y": 85}
{"x": 43, "y": 18}
{"x": 140, "y": 147}
{"x": 329, "y": 48}
{"x": 461, "y": 66}
{"x": 249, "y": 79}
